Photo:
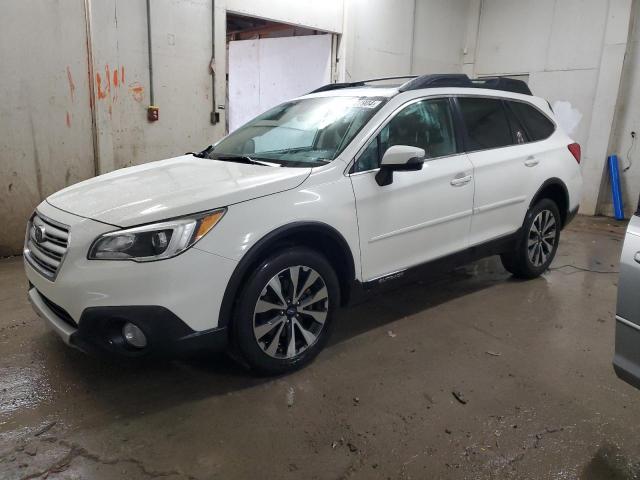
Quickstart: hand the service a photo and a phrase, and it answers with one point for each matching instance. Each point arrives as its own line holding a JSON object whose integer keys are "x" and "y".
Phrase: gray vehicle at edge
{"x": 626, "y": 361}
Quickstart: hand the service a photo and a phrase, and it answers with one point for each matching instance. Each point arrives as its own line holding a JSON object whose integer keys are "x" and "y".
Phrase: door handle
{"x": 531, "y": 161}
{"x": 459, "y": 181}
{"x": 636, "y": 257}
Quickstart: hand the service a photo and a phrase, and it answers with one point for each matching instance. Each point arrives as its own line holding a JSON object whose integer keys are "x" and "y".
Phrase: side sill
{"x": 435, "y": 268}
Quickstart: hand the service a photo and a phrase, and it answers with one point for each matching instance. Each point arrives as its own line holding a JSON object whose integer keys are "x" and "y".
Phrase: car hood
{"x": 170, "y": 188}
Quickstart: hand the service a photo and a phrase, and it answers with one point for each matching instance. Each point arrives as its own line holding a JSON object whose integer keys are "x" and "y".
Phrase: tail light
{"x": 574, "y": 148}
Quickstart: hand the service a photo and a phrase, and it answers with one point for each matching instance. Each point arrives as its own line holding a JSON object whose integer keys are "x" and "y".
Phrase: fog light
{"x": 134, "y": 336}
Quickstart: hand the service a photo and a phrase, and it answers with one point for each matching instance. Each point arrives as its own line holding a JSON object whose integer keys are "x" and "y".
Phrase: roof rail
{"x": 462, "y": 80}
{"x": 437, "y": 80}
{"x": 503, "y": 83}
{"x": 441, "y": 80}
{"x": 361, "y": 83}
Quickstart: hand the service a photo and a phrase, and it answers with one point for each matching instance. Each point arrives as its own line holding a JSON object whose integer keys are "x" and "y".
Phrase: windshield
{"x": 301, "y": 133}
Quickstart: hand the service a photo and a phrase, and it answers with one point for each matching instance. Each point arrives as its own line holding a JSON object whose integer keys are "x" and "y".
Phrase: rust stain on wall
{"x": 72, "y": 86}
{"x": 107, "y": 78}
{"x": 101, "y": 93}
{"x": 137, "y": 91}
{"x": 122, "y": 73}
{"x": 68, "y": 120}
{"x": 115, "y": 77}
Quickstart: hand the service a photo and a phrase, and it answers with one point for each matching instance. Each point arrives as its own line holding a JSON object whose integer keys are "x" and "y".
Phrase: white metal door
{"x": 266, "y": 72}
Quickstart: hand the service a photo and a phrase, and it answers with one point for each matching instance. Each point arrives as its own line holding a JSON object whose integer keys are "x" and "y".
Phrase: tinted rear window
{"x": 486, "y": 122}
{"x": 537, "y": 124}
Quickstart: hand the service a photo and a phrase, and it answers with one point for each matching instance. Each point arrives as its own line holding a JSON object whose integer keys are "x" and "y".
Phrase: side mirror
{"x": 399, "y": 158}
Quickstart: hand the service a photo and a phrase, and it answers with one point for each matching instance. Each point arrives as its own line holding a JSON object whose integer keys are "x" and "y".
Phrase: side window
{"x": 517, "y": 128}
{"x": 427, "y": 124}
{"x": 537, "y": 124}
{"x": 370, "y": 158}
{"x": 486, "y": 122}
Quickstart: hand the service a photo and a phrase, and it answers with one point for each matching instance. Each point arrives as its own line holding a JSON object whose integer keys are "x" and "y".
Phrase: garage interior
{"x": 471, "y": 375}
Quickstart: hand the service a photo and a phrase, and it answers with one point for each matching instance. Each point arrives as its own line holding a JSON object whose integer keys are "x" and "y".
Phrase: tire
{"x": 534, "y": 253}
{"x": 266, "y": 321}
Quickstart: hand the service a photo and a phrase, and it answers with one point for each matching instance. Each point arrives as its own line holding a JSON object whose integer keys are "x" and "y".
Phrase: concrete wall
{"x": 557, "y": 43}
{"x": 573, "y": 52}
{"x": 439, "y": 34}
{"x": 386, "y": 38}
{"x": 182, "y": 50}
{"x": 45, "y": 115}
{"x": 377, "y": 40}
{"x": 627, "y": 120}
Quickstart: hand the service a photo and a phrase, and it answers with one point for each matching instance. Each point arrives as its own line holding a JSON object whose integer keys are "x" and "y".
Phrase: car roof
{"x": 431, "y": 84}
{"x": 392, "y": 91}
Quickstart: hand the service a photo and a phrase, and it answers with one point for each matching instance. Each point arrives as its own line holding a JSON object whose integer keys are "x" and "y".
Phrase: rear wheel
{"x": 537, "y": 246}
{"x": 285, "y": 311}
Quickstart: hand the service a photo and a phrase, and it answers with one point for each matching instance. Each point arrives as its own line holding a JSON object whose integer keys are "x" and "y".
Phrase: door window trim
{"x": 460, "y": 128}
{"x": 457, "y": 133}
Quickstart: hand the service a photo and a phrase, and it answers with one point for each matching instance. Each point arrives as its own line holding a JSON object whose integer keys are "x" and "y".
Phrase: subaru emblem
{"x": 38, "y": 233}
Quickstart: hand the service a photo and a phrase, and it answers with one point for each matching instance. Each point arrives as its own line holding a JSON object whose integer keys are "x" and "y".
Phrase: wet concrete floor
{"x": 531, "y": 359}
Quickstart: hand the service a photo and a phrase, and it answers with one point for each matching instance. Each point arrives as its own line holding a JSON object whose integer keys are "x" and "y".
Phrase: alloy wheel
{"x": 542, "y": 238}
{"x": 290, "y": 312}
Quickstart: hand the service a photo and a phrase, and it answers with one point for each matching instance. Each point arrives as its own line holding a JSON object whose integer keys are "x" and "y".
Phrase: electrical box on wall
{"x": 153, "y": 113}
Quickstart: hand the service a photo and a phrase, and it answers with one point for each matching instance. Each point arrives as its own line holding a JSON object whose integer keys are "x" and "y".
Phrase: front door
{"x": 422, "y": 215}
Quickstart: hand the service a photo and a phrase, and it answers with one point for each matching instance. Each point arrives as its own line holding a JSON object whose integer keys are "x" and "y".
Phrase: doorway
{"x": 270, "y": 63}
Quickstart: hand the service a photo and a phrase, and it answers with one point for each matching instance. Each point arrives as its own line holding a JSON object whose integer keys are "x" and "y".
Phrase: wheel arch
{"x": 316, "y": 235}
{"x": 556, "y": 190}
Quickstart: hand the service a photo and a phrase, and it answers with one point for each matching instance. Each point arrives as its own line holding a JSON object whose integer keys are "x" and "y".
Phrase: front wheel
{"x": 538, "y": 242}
{"x": 285, "y": 311}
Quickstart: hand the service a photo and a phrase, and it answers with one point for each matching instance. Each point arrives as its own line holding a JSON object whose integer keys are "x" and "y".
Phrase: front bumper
{"x": 100, "y": 329}
{"x": 175, "y": 301}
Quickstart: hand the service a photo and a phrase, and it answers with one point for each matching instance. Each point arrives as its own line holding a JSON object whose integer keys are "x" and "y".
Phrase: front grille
{"x": 46, "y": 244}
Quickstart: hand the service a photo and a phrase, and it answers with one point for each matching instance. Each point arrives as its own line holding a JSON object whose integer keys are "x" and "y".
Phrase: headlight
{"x": 155, "y": 241}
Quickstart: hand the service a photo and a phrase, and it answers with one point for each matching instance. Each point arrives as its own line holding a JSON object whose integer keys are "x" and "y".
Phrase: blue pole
{"x": 616, "y": 192}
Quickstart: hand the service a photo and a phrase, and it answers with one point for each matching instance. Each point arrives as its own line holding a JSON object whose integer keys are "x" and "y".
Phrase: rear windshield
{"x": 302, "y": 133}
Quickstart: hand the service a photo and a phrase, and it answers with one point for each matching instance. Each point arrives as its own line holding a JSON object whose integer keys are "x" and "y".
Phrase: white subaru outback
{"x": 255, "y": 241}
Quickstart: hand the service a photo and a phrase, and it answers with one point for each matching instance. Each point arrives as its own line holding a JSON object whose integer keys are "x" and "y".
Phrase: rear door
{"x": 423, "y": 214}
{"x": 503, "y": 161}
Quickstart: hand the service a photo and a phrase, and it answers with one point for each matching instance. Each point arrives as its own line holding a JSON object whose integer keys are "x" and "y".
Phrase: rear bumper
{"x": 100, "y": 329}
{"x": 626, "y": 361}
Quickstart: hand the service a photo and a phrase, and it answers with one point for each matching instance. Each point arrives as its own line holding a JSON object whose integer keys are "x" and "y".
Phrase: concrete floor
{"x": 531, "y": 359}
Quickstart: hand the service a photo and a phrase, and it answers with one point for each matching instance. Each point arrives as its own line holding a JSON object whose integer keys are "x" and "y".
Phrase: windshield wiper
{"x": 203, "y": 154}
{"x": 226, "y": 157}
